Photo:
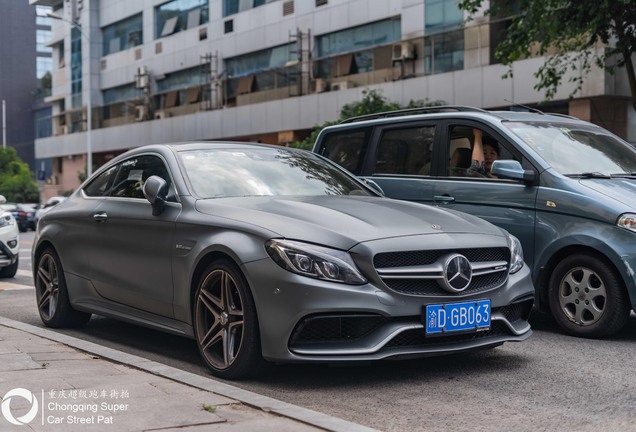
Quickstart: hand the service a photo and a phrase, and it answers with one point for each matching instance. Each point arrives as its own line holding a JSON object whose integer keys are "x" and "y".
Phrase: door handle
{"x": 443, "y": 199}
{"x": 100, "y": 217}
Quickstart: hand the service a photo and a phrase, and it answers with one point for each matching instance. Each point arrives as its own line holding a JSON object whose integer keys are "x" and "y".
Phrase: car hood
{"x": 343, "y": 221}
{"x": 620, "y": 189}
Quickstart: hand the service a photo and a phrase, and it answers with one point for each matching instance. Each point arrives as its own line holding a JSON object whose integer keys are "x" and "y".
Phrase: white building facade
{"x": 270, "y": 70}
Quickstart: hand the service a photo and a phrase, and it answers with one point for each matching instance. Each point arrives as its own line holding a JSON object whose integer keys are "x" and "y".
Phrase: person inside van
{"x": 485, "y": 152}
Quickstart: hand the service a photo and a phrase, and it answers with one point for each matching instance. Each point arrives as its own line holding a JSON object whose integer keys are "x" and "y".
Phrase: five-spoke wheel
{"x": 52, "y": 297}
{"x": 225, "y": 322}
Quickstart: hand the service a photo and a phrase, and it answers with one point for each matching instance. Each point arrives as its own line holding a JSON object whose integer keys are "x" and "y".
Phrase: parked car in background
{"x": 30, "y": 210}
{"x": 265, "y": 252}
{"x": 48, "y": 205}
{"x": 9, "y": 242}
{"x": 566, "y": 188}
{"x": 19, "y": 214}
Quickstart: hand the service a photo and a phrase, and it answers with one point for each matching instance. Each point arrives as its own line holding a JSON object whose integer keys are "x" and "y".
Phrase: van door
{"x": 505, "y": 203}
{"x": 401, "y": 160}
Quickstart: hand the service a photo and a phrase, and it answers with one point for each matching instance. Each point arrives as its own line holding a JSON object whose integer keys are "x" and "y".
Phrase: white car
{"x": 50, "y": 203}
{"x": 9, "y": 242}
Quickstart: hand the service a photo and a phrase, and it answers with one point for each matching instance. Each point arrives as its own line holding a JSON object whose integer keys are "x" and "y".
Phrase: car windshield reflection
{"x": 229, "y": 172}
{"x": 597, "y": 152}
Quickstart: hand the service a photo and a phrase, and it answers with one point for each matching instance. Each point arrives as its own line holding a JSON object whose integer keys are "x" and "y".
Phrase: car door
{"x": 401, "y": 160}
{"x": 505, "y": 203}
{"x": 130, "y": 250}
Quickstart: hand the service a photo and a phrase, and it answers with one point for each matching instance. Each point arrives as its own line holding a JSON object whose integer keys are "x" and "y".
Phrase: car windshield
{"x": 578, "y": 149}
{"x": 234, "y": 172}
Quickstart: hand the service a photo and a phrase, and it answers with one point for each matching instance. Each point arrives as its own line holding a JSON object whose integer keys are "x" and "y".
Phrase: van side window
{"x": 347, "y": 148}
{"x": 405, "y": 151}
{"x": 460, "y": 152}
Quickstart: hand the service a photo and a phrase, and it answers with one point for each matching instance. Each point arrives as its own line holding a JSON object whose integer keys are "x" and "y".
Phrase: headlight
{"x": 516, "y": 254}
{"x": 6, "y": 219}
{"x": 315, "y": 261}
{"x": 627, "y": 221}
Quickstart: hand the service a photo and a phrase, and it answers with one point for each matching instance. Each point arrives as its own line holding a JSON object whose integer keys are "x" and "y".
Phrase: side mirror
{"x": 156, "y": 191}
{"x": 512, "y": 170}
{"x": 373, "y": 186}
{"x": 2, "y": 199}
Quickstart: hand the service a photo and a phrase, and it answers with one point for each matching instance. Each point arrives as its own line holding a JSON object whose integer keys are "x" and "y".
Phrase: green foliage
{"x": 372, "y": 102}
{"x": 17, "y": 182}
{"x": 575, "y": 36}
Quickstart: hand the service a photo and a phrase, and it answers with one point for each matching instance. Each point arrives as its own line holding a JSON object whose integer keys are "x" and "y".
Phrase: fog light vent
{"x": 12, "y": 243}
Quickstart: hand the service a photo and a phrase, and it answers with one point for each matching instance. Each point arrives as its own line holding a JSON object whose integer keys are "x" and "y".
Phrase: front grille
{"x": 335, "y": 328}
{"x": 417, "y": 258}
{"x": 423, "y": 279}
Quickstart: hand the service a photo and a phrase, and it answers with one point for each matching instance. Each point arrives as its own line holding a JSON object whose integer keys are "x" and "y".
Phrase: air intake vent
{"x": 321, "y": 2}
{"x": 288, "y": 8}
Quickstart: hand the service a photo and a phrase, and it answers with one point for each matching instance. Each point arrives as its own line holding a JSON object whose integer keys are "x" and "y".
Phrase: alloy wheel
{"x": 48, "y": 286}
{"x": 219, "y": 319}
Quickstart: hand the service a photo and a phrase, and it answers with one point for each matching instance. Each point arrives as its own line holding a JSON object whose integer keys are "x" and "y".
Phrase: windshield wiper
{"x": 624, "y": 175}
{"x": 586, "y": 175}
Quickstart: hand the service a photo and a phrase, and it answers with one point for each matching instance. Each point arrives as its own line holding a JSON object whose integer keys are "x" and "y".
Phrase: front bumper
{"x": 308, "y": 320}
{"x": 8, "y": 254}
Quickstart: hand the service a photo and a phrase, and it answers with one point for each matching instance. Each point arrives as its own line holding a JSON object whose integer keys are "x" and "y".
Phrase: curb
{"x": 254, "y": 400}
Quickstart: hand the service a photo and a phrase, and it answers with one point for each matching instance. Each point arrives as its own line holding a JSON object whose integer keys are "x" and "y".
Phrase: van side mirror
{"x": 156, "y": 191}
{"x": 512, "y": 170}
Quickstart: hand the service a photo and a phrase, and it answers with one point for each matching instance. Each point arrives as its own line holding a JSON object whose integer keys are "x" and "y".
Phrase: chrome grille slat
{"x": 418, "y": 272}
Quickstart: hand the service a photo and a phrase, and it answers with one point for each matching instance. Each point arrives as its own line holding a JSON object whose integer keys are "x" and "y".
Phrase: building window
{"x": 43, "y": 123}
{"x": 42, "y": 37}
{"x": 358, "y": 38}
{"x": 180, "y": 15}
{"x": 76, "y": 68}
{"x": 231, "y": 7}
{"x": 257, "y": 61}
{"x": 122, "y": 35}
{"x": 228, "y": 26}
{"x": 354, "y": 50}
{"x": 444, "y": 52}
{"x": 442, "y": 15}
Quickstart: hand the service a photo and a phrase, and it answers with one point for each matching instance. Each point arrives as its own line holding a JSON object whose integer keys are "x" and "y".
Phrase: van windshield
{"x": 577, "y": 149}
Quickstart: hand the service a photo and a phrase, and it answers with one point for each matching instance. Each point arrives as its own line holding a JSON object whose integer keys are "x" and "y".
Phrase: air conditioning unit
{"x": 140, "y": 112}
{"x": 342, "y": 85}
{"x": 161, "y": 115}
{"x": 403, "y": 51}
{"x": 320, "y": 85}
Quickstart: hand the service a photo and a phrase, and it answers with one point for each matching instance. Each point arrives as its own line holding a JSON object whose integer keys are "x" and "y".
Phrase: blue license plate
{"x": 457, "y": 317}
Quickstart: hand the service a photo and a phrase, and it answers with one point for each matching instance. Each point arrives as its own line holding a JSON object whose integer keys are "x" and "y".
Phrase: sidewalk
{"x": 53, "y": 382}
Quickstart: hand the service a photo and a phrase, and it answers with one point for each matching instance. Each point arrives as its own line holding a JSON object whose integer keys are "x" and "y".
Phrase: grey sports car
{"x": 269, "y": 253}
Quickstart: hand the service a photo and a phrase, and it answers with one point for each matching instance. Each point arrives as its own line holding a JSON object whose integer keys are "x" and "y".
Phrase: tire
{"x": 225, "y": 322}
{"x": 11, "y": 270}
{"x": 52, "y": 296}
{"x": 587, "y": 297}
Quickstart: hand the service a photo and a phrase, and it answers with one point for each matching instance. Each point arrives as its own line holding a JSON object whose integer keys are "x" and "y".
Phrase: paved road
{"x": 551, "y": 382}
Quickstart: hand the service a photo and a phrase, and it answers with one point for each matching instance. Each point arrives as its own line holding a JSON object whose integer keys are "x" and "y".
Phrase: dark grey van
{"x": 566, "y": 188}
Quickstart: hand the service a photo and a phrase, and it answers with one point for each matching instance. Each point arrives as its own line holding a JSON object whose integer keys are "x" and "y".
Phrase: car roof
{"x": 454, "y": 112}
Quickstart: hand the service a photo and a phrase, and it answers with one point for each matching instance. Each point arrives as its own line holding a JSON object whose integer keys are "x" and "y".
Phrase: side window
{"x": 347, "y": 148}
{"x": 133, "y": 173}
{"x": 465, "y": 159}
{"x": 98, "y": 187}
{"x": 405, "y": 151}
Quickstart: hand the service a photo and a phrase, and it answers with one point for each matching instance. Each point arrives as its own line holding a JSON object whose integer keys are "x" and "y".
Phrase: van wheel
{"x": 587, "y": 297}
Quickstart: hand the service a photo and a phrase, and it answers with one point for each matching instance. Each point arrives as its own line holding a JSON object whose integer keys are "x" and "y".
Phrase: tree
{"x": 570, "y": 33}
{"x": 372, "y": 102}
{"x": 17, "y": 182}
